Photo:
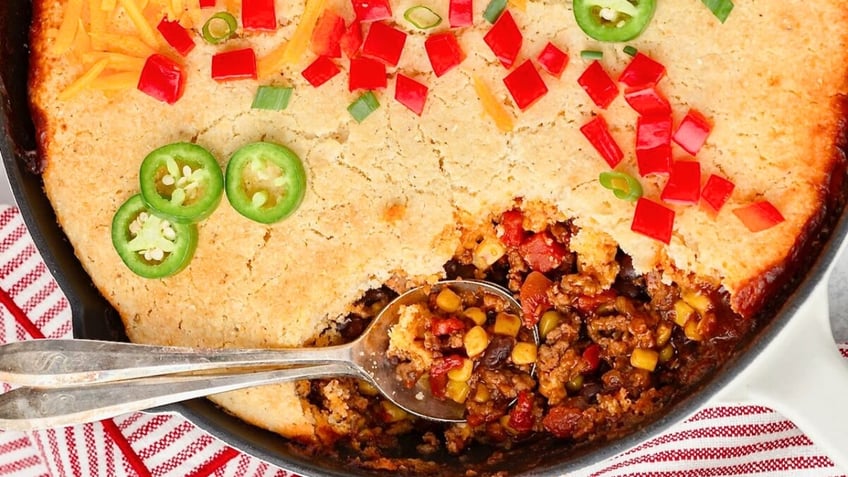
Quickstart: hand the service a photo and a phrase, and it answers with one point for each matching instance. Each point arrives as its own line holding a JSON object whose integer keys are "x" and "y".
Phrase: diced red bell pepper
{"x": 598, "y": 85}
{"x": 541, "y": 252}
{"x": 653, "y": 220}
{"x": 653, "y": 144}
{"x": 642, "y": 70}
{"x": 384, "y": 42}
{"x": 715, "y": 193}
{"x": 176, "y": 36}
{"x": 521, "y": 414}
{"x": 446, "y": 326}
{"x": 162, "y": 79}
{"x": 553, "y": 60}
{"x": 759, "y": 216}
{"x": 206, "y": 3}
{"x": 592, "y": 356}
{"x": 320, "y": 71}
{"x": 439, "y": 373}
{"x": 684, "y": 183}
{"x": 410, "y": 93}
{"x": 647, "y": 100}
{"x": 366, "y": 73}
{"x": 597, "y": 132}
{"x": 533, "y": 295}
{"x": 258, "y": 15}
{"x": 372, "y": 10}
{"x": 512, "y": 231}
{"x": 504, "y": 39}
{"x": 692, "y": 132}
{"x": 460, "y": 13}
{"x": 351, "y": 40}
{"x": 525, "y": 84}
{"x": 234, "y": 64}
{"x": 327, "y": 34}
{"x": 444, "y": 52}
{"x": 590, "y": 303}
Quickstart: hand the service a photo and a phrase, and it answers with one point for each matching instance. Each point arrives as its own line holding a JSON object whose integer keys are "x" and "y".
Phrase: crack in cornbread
{"x": 391, "y": 195}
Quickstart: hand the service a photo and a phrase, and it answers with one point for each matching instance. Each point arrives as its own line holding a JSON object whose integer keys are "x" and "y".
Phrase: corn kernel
{"x": 481, "y": 395}
{"x": 666, "y": 353}
{"x": 457, "y": 391}
{"x": 462, "y": 373}
{"x": 663, "y": 333}
{"x": 487, "y": 252}
{"x": 448, "y": 301}
{"x": 696, "y": 300}
{"x": 504, "y": 420}
{"x": 367, "y": 388}
{"x": 393, "y": 412}
{"x": 682, "y": 312}
{"x": 691, "y": 330}
{"x": 644, "y": 359}
{"x": 507, "y": 324}
{"x": 476, "y": 341}
{"x": 476, "y": 315}
{"x": 549, "y": 320}
{"x": 524, "y": 353}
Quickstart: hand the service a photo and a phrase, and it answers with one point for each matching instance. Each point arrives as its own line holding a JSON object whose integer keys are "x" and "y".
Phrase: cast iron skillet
{"x": 94, "y": 318}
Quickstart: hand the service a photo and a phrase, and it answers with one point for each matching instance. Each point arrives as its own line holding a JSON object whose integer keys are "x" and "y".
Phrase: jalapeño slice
{"x": 265, "y": 182}
{"x": 614, "y": 20}
{"x": 182, "y": 182}
{"x": 151, "y": 246}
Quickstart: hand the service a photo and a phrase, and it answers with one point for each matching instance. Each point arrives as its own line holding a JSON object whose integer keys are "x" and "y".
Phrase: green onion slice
{"x": 422, "y": 17}
{"x": 624, "y": 186}
{"x": 630, "y": 50}
{"x": 591, "y": 54}
{"x": 493, "y": 10}
{"x": 363, "y": 106}
{"x": 275, "y": 98}
{"x": 720, "y": 8}
{"x": 219, "y": 27}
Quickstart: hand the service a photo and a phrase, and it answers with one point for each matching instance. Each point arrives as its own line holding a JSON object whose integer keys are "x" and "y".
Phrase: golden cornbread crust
{"x": 391, "y": 195}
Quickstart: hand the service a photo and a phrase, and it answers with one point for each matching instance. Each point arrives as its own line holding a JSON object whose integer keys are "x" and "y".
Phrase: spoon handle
{"x": 29, "y": 408}
{"x": 59, "y": 363}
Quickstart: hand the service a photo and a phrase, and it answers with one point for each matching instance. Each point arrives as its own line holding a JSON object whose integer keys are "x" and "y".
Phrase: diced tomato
{"x": 460, "y": 13}
{"x": 563, "y": 421}
{"x": 597, "y": 132}
{"x": 525, "y": 85}
{"x": 372, "y": 10}
{"x": 598, "y": 85}
{"x": 715, "y": 193}
{"x": 647, "y": 100}
{"x": 504, "y": 39}
{"x": 759, "y": 216}
{"x": 439, "y": 373}
{"x": 410, "y": 93}
{"x": 161, "y": 78}
{"x": 653, "y": 220}
{"x": 444, "y": 52}
{"x": 552, "y": 59}
{"x": 541, "y": 252}
{"x": 258, "y": 15}
{"x": 384, "y": 42}
{"x": 641, "y": 71}
{"x": 684, "y": 183}
{"x": 351, "y": 40}
{"x": 692, "y": 132}
{"x": 653, "y": 144}
{"x": 320, "y": 71}
{"x": 512, "y": 228}
{"x": 590, "y": 303}
{"x": 366, "y": 73}
{"x": 534, "y": 297}
{"x": 327, "y": 34}
{"x": 446, "y": 326}
{"x": 234, "y": 64}
{"x": 176, "y": 36}
{"x": 521, "y": 414}
{"x": 592, "y": 356}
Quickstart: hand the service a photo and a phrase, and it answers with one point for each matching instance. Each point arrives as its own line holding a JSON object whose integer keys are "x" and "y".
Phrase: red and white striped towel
{"x": 724, "y": 440}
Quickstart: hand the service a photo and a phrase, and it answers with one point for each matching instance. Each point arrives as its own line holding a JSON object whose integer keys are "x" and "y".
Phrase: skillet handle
{"x": 802, "y": 375}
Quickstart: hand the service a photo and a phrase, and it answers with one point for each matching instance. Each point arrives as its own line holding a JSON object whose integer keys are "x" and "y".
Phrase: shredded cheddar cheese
{"x": 495, "y": 110}
{"x": 272, "y": 62}
{"x": 68, "y": 28}
{"x": 128, "y": 45}
{"x": 83, "y": 81}
{"x": 145, "y": 31}
{"x": 303, "y": 33}
{"x": 117, "y": 61}
{"x": 116, "y": 81}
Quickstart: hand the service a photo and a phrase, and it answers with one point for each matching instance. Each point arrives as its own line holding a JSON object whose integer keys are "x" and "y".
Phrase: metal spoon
{"x": 73, "y": 381}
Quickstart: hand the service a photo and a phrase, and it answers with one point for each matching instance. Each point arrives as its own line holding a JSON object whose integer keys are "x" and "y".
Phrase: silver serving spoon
{"x": 73, "y": 381}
